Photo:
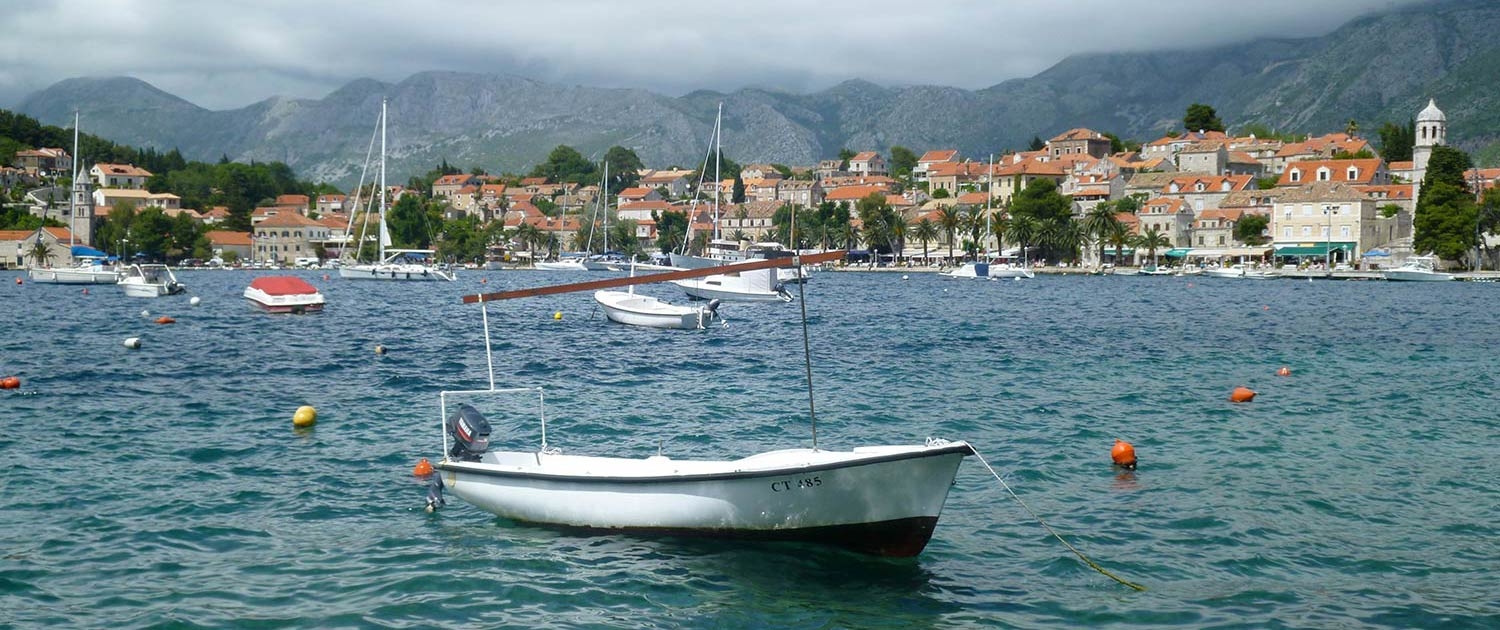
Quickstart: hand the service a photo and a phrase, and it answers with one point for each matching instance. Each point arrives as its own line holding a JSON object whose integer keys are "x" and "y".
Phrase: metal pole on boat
{"x": 489, "y": 358}
{"x": 812, "y": 411}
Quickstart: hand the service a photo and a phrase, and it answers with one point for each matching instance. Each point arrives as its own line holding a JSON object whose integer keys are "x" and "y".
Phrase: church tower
{"x": 1432, "y": 130}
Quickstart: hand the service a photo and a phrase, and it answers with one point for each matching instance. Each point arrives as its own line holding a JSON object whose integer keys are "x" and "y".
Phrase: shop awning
{"x": 1176, "y": 253}
{"x": 1320, "y": 249}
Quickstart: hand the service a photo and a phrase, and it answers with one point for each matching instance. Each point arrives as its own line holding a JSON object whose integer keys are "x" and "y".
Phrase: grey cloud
{"x": 222, "y": 55}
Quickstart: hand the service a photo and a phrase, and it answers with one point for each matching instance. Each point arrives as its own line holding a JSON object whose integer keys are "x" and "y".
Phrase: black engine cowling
{"x": 470, "y": 433}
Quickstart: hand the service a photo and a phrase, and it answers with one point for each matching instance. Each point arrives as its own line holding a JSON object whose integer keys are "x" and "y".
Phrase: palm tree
{"x": 896, "y": 229}
{"x": 40, "y": 252}
{"x": 1151, "y": 240}
{"x": 739, "y": 235}
{"x": 999, "y": 227}
{"x": 1099, "y": 223}
{"x": 1024, "y": 229}
{"x": 1119, "y": 236}
{"x": 950, "y": 220}
{"x": 924, "y": 231}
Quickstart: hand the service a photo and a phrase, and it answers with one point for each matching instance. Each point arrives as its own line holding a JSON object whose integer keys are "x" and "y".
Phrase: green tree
{"x": 1396, "y": 141}
{"x": 40, "y": 253}
{"x": 925, "y": 231}
{"x": 463, "y": 240}
{"x": 624, "y": 168}
{"x": 1036, "y": 144}
{"x": 408, "y": 223}
{"x": 1099, "y": 223}
{"x": 565, "y": 164}
{"x": 949, "y": 220}
{"x": 737, "y": 193}
{"x": 1152, "y": 239}
{"x": 1446, "y": 214}
{"x": 1251, "y": 228}
{"x": 1202, "y": 117}
{"x": 941, "y": 193}
{"x": 671, "y": 230}
{"x": 879, "y": 221}
{"x": 903, "y": 160}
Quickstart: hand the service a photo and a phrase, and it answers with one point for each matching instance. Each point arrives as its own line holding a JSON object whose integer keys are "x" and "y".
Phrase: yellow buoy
{"x": 379, "y": 349}
{"x": 557, "y": 315}
{"x": 306, "y": 416}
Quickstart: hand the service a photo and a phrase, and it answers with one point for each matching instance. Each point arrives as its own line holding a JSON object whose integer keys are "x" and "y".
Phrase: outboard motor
{"x": 713, "y": 307}
{"x": 470, "y": 433}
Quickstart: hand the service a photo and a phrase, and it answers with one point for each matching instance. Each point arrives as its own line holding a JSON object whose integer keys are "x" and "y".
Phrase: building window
{"x": 1286, "y": 232}
{"x": 1323, "y": 174}
{"x": 1323, "y": 231}
{"x": 1306, "y": 210}
{"x": 1343, "y": 231}
{"x": 1296, "y": 175}
{"x": 1307, "y": 230}
{"x": 1353, "y": 174}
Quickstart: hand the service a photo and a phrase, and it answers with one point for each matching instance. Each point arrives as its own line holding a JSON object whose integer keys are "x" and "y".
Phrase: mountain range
{"x": 1378, "y": 68}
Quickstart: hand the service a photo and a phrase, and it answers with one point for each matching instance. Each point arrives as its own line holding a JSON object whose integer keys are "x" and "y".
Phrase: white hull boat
{"x": 1239, "y": 271}
{"x": 883, "y": 500}
{"x": 284, "y": 294}
{"x": 403, "y": 264}
{"x": 989, "y": 270}
{"x": 628, "y": 307}
{"x": 149, "y": 281}
{"x": 750, "y": 286}
{"x": 561, "y": 265}
{"x": 82, "y": 274}
{"x": 1417, "y": 269}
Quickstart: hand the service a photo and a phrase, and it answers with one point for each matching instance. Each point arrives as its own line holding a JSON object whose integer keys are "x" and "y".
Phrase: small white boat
{"x": 1240, "y": 271}
{"x": 150, "y": 280}
{"x": 86, "y": 270}
{"x": 989, "y": 270}
{"x": 748, "y": 286}
{"x": 562, "y": 264}
{"x": 284, "y": 294}
{"x": 628, "y": 307}
{"x": 1124, "y": 271}
{"x": 1417, "y": 269}
{"x": 1153, "y": 270}
{"x": 883, "y": 500}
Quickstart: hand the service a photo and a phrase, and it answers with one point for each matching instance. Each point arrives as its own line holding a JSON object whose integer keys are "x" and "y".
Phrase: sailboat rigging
{"x": 393, "y": 264}
{"x": 87, "y": 263}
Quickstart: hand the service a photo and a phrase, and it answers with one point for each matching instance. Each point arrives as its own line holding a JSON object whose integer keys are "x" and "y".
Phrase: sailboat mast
{"x": 718, "y": 155}
{"x": 382, "y": 180}
{"x": 605, "y": 206}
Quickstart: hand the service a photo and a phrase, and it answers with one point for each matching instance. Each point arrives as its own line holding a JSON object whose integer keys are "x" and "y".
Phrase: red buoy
{"x": 1123, "y": 454}
{"x": 1284, "y": 371}
{"x": 1241, "y": 394}
{"x": 165, "y": 320}
{"x": 18, "y": 281}
{"x": 423, "y": 468}
{"x": 10, "y": 382}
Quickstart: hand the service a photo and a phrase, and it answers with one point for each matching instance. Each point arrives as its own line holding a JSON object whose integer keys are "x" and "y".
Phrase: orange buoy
{"x": 18, "y": 281}
{"x": 165, "y": 320}
{"x": 423, "y": 468}
{"x": 1284, "y": 371}
{"x": 484, "y": 281}
{"x": 85, "y": 290}
{"x": 325, "y": 276}
{"x": 10, "y": 382}
{"x": 1123, "y": 454}
{"x": 1241, "y": 394}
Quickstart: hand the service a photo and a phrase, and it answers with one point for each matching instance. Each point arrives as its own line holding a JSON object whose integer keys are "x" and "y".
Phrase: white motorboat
{"x": 1417, "y": 269}
{"x": 883, "y": 500}
{"x": 747, "y": 286}
{"x": 1153, "y": 270}
{"x": 284, "y": 294}
{"x": 392, "y": 264}
{"x": 629, "y": 307}
{"x": 989, "y": 270}
{"x": 149, "y": 281}
{"x": 1240, "y": 271}
{"x": 562, "y": 264}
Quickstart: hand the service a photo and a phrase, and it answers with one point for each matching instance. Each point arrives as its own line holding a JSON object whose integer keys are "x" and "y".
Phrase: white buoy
{"x": 905, "y": 277}
{"x": 195, "y": 300}
{"x": 145, "y": 313}
{"x": 133, "y": 343}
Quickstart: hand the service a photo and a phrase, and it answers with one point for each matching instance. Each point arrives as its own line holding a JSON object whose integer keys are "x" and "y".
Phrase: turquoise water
{"x": 165, "y": 486}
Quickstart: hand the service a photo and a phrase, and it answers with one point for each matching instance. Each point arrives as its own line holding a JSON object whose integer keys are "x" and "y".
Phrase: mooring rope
{"x": 1049, "y": 529}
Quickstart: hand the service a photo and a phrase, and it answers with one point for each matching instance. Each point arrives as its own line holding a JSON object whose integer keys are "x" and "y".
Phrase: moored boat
{"x": 284, "y": 294}
{"x": 628, "y": 307}
{"x": 149, "y": 281}
{"x": 1417, "y": 269}
{"x": 883, "y": 500}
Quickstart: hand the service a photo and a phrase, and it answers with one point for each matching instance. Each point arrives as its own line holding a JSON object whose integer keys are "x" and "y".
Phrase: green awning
{"x": 1320, "y": 249}
{"x": 1176, "y": 253}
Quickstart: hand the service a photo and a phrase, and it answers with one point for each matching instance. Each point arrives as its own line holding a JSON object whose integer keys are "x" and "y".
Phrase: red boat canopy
{"x": 283, "y": 285}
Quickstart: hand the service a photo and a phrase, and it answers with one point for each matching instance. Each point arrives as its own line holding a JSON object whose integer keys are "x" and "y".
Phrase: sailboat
{"x": 882, "y": 500}
{"x": 88, "y": 263}
{"x": 606, "y": 261}
{"x": 394, "y": 264}
{"x": 719, "y": 251}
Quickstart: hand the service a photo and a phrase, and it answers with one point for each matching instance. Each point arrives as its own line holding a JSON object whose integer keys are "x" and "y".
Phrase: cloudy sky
{"x": 224, "y": 55}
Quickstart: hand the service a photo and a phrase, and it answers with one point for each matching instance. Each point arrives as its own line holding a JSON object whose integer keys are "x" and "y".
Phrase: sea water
{"x": 166, "y": 486}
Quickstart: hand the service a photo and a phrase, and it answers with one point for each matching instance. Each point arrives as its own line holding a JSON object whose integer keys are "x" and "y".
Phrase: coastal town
{"x": 1198, "y": 196}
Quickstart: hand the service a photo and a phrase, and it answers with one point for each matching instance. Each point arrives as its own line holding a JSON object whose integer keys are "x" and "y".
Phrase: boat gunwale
{"x": 492, "y": 470}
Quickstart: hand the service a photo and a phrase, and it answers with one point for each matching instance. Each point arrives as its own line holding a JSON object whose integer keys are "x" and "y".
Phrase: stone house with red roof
{"x": 119, "y": 175}
{"x": 43, "y": 161}
{"x": 286, "y": 236}
{"x": 1078, "y": 141}
{"x": 867, "y": 163}
{"x": 1362, "y": 172}
{"x": 924, "y": 164}
{"x": 1169, "y": 216}
{"x": 223, "y": 241}
{"x": 16, "y": 246}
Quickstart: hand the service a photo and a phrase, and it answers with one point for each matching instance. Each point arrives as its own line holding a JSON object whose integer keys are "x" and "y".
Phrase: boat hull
{"x": 73, "y": 276}
{"x": 705, "y": 291}
{"x": 296, "y": 304}
{"x": 643, "y": 310}
{"x": 414, "y": 273}
{"x": 1400, "y": 275}
{"x": 561, "y": 265}
{"x": 884, "y": 501}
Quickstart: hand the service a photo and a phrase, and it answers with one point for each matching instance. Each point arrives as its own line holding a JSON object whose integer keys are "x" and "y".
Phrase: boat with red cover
{"x": 284, "y": 294}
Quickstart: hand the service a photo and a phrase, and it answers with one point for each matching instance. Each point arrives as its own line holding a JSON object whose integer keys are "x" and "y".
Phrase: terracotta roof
{"x": 1405, "y": 165}
{"x": 123, "y": 170}
{"x": 1078, "y": 133}
{"x": 635, "y": 193}
{"x": 1388, "y": 191}
{"x": 854, "y": 193}
{"x": 1189, "y": 137}
{"x": 286, "y": 219}
{"x": 864, "y": 156}
{"x": 944, "y": 155}
{"x": 1307, "y": 170}
{"x": 226, "y": 237}
{"x": 1211, "y": 183}
{"x": 646, "y": 205}
{"x": 1163, "y": 205}
{"x": 292, "y": 200}
{"x": 974, "y": 198}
